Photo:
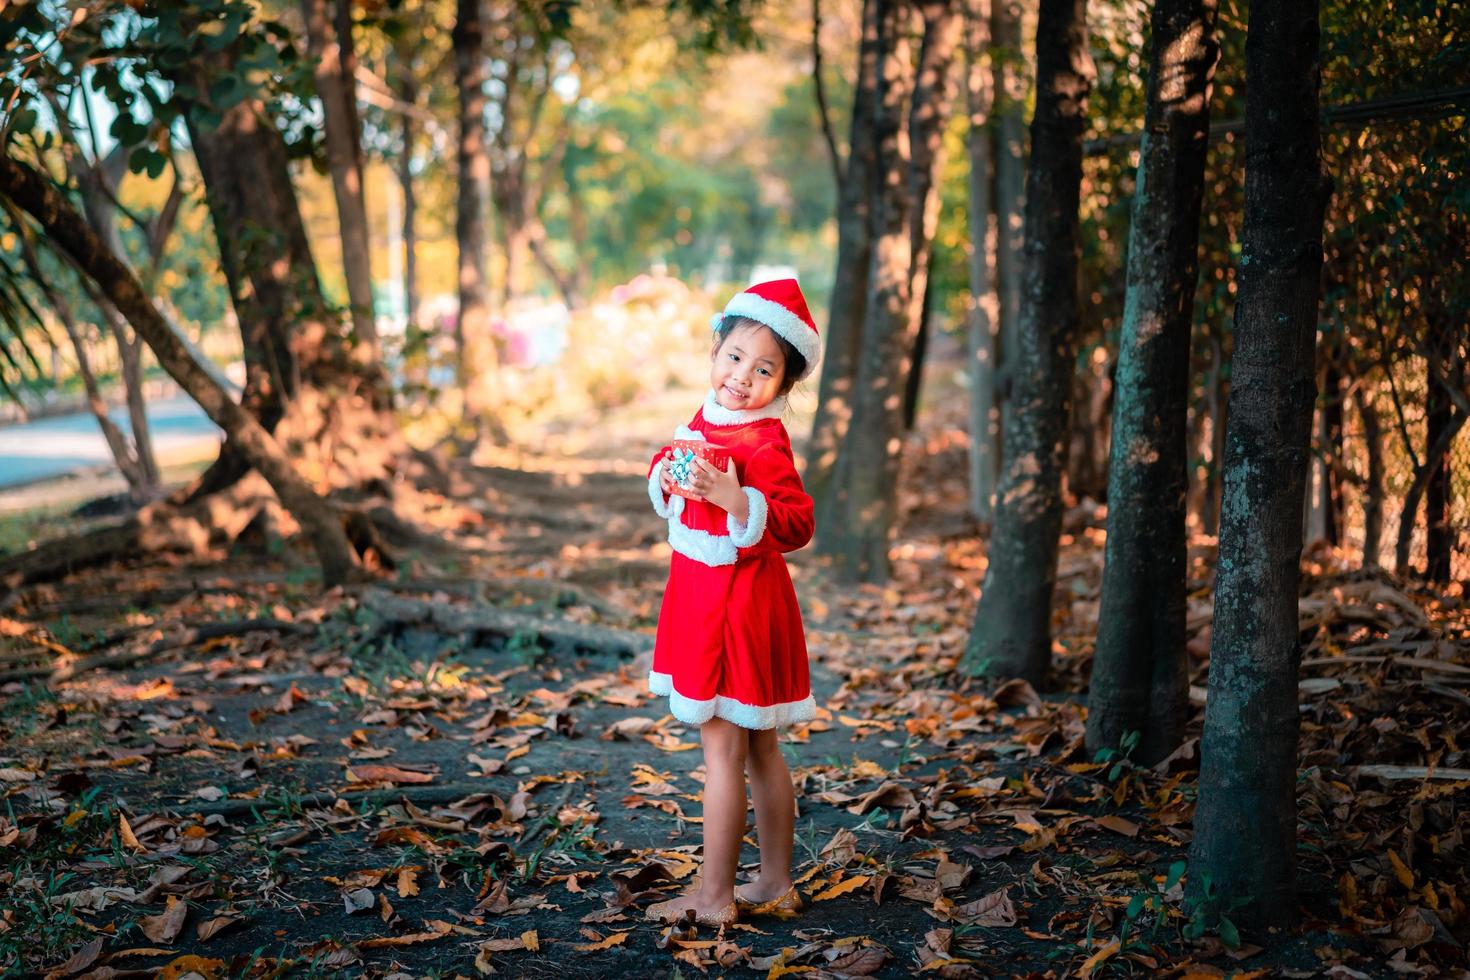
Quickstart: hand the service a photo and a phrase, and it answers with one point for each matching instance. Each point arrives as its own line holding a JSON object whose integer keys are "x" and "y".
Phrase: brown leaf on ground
{"x": 993, "y": 910}
{"x": 211, "y": 927}
{"x": 438, "y": 931}
{"x": 387, "y": 774}
{"x": 126, "y": 835}
{"x": 82, "y": 958}
{"x": 186, "y": 966}
{"x": 890, "y": 794}
{"x": 616, "y": 939}
{"x": 164, "y": 928}
{"x": 359, "y": 900}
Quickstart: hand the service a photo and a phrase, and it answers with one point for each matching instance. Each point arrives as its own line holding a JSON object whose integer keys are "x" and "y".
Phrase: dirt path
{"x": 369, "y": 791}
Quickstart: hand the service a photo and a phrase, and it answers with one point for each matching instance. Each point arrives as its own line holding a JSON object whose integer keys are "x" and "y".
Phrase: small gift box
{"x": 682, "y": 469}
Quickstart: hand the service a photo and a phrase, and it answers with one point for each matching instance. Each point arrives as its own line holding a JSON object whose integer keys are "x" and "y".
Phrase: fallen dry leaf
{"x": 387, "y": 774}
{"x": 616, "y": 939}
{"x": 163, "y": 928}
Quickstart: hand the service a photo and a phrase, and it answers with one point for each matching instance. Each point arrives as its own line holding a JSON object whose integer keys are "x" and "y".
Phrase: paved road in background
{"x": 53, "y": 447}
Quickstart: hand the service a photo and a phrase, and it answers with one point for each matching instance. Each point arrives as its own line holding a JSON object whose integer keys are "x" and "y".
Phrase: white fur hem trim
{"x": 706, "y": 548}
{"x": 693, "y": 435}
{"x": 717, "y": 414}
{"x": 781, "y": 320}
{"x": 747, "y": 534}
{"x": 693, "y": 712}
{"x": 669, "y": 507}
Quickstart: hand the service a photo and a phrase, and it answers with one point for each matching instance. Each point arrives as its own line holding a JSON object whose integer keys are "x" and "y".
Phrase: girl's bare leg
{"x": 775, "y": 816}
{"x": 724, "y": 816}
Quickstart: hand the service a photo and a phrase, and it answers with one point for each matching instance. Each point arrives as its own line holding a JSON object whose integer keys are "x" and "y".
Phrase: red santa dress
{"x": 730, "y": 641}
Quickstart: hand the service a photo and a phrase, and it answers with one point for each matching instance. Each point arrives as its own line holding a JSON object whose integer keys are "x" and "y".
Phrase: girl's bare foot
{"x": 764, "y": 890}
{"x": 706, "y": 912}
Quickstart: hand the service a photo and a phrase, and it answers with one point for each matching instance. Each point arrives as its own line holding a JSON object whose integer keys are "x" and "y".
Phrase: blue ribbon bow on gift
{"x": 682, "y": 469}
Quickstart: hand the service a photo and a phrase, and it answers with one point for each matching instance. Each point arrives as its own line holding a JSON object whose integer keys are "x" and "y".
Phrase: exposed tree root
{"x": 503, "y": 622}
{"x": 418, "y": 795}
{"x": 113, "y": 661}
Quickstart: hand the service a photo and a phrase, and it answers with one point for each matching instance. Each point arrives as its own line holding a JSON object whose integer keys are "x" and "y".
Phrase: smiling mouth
{"x": 733, "y": 393}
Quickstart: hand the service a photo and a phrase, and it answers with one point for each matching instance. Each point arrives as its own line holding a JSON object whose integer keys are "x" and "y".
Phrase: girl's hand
{"x": 666, "y": 482}
{"x": 721, "y": 488}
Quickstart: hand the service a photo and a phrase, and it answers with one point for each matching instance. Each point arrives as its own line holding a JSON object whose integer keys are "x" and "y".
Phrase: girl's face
{"x": 747, "y": 368}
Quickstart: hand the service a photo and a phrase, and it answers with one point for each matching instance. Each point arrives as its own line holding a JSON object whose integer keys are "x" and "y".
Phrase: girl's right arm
{"x": 660, "y": 486}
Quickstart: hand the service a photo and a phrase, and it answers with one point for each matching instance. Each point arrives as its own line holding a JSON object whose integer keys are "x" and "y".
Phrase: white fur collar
{"x": 717, "y": 414}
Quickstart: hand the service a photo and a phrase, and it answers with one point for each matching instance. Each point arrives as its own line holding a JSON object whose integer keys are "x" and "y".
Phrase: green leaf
{"x": 25, "y": 121}
{"x": 157, "y": 162}
{"x": 138, "y": 159}
{"x": 1229, "y": 935}
{"x": 1176, "y": 871}
{"x": 1135, "y": 907}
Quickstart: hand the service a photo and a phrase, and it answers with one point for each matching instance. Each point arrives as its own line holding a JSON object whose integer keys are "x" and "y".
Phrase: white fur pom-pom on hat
{"x": 779, "y": 305}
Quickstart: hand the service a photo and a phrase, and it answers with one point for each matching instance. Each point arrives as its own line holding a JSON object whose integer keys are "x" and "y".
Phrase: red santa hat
{"x": 779, "y": 305}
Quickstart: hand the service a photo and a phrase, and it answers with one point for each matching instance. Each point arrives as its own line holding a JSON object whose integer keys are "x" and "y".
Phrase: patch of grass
{"x": 42, "y": 931}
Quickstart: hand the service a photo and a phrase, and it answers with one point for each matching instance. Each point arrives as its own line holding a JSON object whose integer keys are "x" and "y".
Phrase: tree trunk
{"x": 905, "y": 213}
{"x": 1443, "y": 434}
{"x": 130, "y": 352}
{"x": 476, "y": 361}
{"x": 1219, "y": 395}
{"x": 1373, "y": 486}
{"x": 914, "y": 383}
{"x": 408, "y": 93}
{"x": 1329, "y": 492}
{"x": 845, "y": 313}
{"x": 1245, "y": 821}
{"x": 984, "y": 309}
{"x": 30, "y": 191}
{"x": 330, "y": 47}
{"x": 298, "y": 367}
{"x": 1009, "y": 135}
{"x": 1140, "y": 680}
{"x": 139, "y": 487}
{"x": 1438, "y": 541}
{"x": 1012, "y": 633}
{"x": 97, "y": 180}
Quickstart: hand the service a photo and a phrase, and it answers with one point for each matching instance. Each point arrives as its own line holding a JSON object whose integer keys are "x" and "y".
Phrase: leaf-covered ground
{"x": 458, "y": 770}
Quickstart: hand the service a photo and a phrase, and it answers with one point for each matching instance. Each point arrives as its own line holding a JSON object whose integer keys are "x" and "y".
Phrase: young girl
{"x": 730, "y": 652}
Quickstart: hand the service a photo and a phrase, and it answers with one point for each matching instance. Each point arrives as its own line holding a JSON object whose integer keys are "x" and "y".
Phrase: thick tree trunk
{"x": 1245, "y": 821}
{"x": 982, "y": 318}
{"x": 866, "y": 505}
{"x": 1140, "y": 680}
{"x": 330, "y": 47}
{"x": 1373, "y": 485}
{"x": 845, "y": 313}
{"x": 1438, "y": 540}
{"x": 325, "y": 402}
{"x": 476, "y": 360}
{"x": 31, "y": 192}
{"x": 1009, "y": 136}
{"x": 1012, "y": 633}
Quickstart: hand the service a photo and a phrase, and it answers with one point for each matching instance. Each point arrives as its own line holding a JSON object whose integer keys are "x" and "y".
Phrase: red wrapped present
{"x": 681, "y": 468}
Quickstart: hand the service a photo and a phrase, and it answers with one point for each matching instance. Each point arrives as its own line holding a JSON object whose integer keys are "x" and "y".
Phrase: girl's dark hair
{"x": 795, "y": 363}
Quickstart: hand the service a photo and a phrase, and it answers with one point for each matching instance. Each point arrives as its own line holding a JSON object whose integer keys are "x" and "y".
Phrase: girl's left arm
{"x": 780, "y": 513}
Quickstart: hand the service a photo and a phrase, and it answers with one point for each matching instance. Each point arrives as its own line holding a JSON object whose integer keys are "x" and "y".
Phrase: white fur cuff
{"x": 746, "y": 535}
{"x": 669, "y": 507}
